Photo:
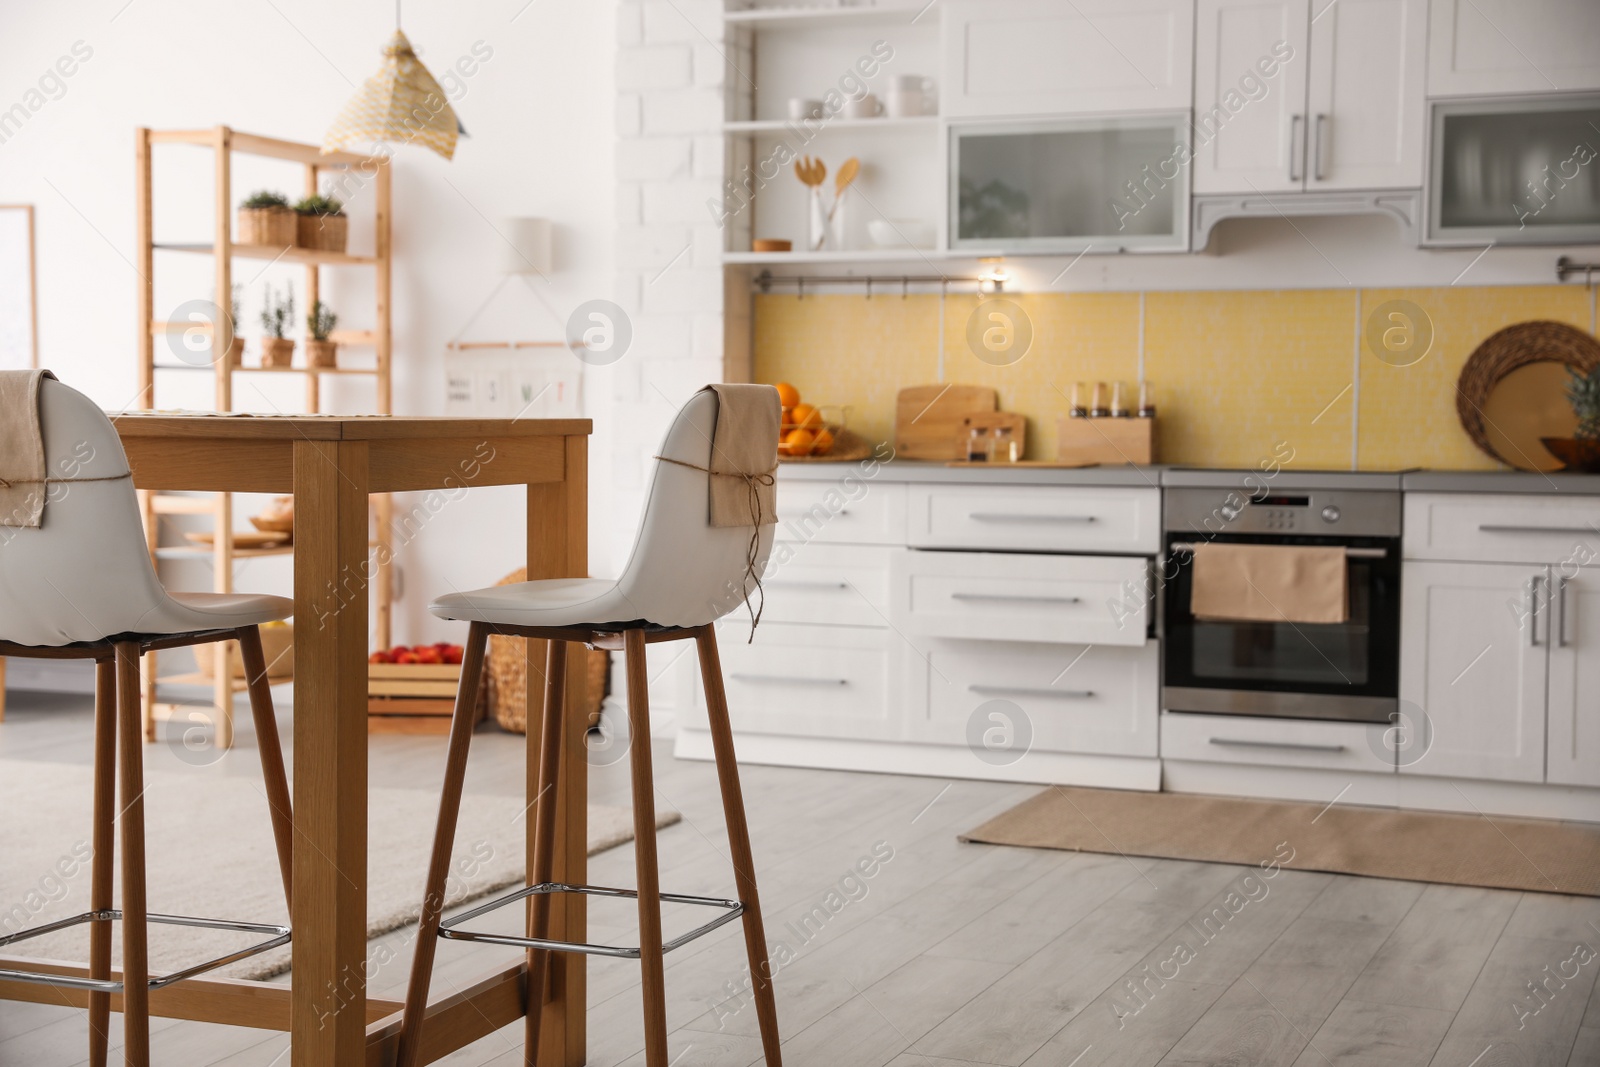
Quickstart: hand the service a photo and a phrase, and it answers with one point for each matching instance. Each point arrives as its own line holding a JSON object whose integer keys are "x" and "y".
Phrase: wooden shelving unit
{"x": 224, "y": 144}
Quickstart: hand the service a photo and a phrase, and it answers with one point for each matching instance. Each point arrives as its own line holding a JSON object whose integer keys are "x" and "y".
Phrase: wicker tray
{"x": 508, "y": 674}
{"x": 1503, "y": 352}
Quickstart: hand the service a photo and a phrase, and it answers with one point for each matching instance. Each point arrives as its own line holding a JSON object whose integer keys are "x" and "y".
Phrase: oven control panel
{"x": 1283, "y": 512}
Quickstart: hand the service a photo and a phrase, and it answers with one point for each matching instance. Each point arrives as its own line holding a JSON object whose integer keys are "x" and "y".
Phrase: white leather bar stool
{"x": 81, "y": 586}
{"x": 683, "y": 575}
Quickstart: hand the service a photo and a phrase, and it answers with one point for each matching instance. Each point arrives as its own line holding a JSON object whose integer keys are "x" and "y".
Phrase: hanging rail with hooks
{"x": 1566, "y": 267}
{"x": 766, "y": 280}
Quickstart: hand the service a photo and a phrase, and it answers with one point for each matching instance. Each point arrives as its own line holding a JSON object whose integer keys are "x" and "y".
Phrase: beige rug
{"x": 210, "y": 853}
{"x": 1493, "y": 852}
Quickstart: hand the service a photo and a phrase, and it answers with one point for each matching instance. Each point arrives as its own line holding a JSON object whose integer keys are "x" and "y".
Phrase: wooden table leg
{"x": 558, "y": 547}
{"x": 330, "y": 754}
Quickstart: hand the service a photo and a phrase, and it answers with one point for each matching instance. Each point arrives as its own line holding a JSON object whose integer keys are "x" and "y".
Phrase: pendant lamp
{"x": 400, "y": 104}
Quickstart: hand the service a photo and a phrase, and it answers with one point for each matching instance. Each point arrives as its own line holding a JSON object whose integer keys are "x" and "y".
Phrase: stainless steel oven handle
{"x": 1298, "y": 746}
{"x": 1024, "y": 691}
{"x": 1018, "y": 599}
{"x": 1353, "y": 552}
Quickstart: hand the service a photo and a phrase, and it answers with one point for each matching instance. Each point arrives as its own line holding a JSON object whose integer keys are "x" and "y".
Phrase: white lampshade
{"x": 528, "y": 247}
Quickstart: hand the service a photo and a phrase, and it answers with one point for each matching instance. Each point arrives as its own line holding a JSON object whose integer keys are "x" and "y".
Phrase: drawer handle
{"x": 1511, "y": 529}
{"x": 1350, "y": 551}
{"x": 1005, "y": 598}
{"x": 807, "y": 585}
{"x": 1002, "y": 516}
{"x": 1024, "y": 691}
{"x": 784, "y": 679}
{"x": 1298, "y": 746}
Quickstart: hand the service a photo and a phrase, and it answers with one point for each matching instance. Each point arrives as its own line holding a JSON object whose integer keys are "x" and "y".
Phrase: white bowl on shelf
{"x": 901, "y": 233}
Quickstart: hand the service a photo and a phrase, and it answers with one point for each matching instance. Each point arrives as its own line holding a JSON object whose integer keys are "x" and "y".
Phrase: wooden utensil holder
{"x": 1106, "y": 440}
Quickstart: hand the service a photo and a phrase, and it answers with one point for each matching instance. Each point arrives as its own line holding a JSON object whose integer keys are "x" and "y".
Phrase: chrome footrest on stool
{"x": 732, "y": 909}
{"x": 280, "y": 936}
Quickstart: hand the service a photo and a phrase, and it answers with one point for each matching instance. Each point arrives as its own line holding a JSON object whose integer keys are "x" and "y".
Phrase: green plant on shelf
{"x": 1583, "y": 390}
{"x": 277, "y": 312}
{"x": 318, "y": 204}
{"x": 236, "y": 305}
{"x": 321, "y": 321}
{"x": 265, "y": 200}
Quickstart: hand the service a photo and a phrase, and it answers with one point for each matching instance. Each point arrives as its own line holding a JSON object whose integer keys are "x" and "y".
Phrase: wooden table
{"x": 331, "y": 464}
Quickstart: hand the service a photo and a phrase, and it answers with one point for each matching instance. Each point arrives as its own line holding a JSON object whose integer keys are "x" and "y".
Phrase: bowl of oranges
{"x": 813, "y": 431}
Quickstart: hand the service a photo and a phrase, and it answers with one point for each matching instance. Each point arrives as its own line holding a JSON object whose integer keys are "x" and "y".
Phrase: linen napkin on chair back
{"x": 22, "y": 464}
{"x": 744, "y": 455}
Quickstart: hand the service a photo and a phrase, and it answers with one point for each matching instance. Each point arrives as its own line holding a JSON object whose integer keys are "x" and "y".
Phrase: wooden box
{"x": 414, "y": 698}
{"x": 1107, "y": 441}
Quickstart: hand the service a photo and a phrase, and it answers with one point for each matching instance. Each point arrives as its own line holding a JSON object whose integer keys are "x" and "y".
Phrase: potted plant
{"x": 266, "y": 219}
{"x": 276, "y": 315}
{"x": 321, "y": 224}
{"x": 235, "y": 354}
{"x": 320, "y": 351}
{"x": 1581, "y": 451}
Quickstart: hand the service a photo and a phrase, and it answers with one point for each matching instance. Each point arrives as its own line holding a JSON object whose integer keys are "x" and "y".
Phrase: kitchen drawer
{"x": 1091, "y": 600}
{"x": 1090, "y": 699}
{"x": 1502, "y": 528}
{"x": 807, "y": 681}
{"x": 828, "y": 585}
{"x": 1044, "y": 518}
{"x": 1343, "y": 746}
{"x": 846, "y": 510}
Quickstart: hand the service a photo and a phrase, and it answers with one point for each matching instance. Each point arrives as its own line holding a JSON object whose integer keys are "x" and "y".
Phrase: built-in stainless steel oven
{"x": 1347, "y": 670}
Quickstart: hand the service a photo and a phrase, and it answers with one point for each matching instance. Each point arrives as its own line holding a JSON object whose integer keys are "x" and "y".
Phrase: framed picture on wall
{"x": 19, "y": 301}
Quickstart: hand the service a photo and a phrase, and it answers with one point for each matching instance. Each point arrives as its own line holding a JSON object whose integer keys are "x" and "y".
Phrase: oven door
{"x": 1346, "y": 671}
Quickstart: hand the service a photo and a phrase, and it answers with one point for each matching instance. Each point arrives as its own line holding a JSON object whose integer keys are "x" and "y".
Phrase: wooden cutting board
{"x": 928, "y": 419}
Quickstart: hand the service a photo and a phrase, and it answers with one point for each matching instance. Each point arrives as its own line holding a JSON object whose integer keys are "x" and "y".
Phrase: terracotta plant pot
{"x": 271, "y": 226}
{"x": 322, "y": 233}
{"x": 277, "y": 351}
{"x": 235, "y": 355}
{"x": 322, "y": 353}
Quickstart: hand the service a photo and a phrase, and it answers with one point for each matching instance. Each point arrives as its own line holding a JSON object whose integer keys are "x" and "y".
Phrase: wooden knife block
{"x": 1108, "y": 441}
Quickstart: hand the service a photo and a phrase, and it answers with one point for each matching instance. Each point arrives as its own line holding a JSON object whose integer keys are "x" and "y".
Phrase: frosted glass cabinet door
{"x": 1070, "y": 185}
{"x": 1515, "y": 171}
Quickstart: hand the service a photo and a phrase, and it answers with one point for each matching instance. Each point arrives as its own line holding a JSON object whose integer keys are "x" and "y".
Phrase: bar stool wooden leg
{"x": 544, "y": 837}
{"x": 267, "y": 740}
{"x": 135, "y": 959}
{"x": 644, "y": 850}
{"x": 744, "y": 869}
{"x": 101, "y": 864}
{"x": 444, "y": 836}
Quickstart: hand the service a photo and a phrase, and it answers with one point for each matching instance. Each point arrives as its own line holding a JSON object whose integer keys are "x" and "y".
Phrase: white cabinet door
{"x": 1250, "y": 95}
{"x": 1513, "y": 46}
{"x": 1366, "y": 112}
{"x": 1575, "y": 679}
{"x": 1046, "y": 57}
{"x": 1473, "y": 658}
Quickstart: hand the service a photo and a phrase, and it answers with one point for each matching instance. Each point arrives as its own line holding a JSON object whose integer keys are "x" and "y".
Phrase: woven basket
{"x": 1506, "y": 350}
{"x": 322, "y": 233}
{"x": 272, "y": 226}
{"x": 508, "y": 674}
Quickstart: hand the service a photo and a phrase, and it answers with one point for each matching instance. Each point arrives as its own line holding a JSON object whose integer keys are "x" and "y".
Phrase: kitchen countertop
{"x": 911, "y": 470}
{"x": 1557, "y": 483}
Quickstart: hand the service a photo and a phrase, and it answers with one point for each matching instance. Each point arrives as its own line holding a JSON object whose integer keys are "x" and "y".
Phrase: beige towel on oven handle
{"x": 1270, "y": 583}
{"x": 23, "y": 485}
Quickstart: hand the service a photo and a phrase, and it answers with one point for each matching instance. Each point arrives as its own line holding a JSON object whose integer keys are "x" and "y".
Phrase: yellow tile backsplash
{"x": 1238, "y": 376}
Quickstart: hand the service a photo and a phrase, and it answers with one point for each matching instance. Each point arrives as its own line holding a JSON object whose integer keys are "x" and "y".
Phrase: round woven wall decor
{"x": 508, "y": 673}
{"x": 1506, "y": 350}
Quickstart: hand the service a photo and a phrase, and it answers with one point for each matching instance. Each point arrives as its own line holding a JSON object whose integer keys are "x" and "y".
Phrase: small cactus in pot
{"x": 277, "y": 312}
{"x": 321, "y": 350}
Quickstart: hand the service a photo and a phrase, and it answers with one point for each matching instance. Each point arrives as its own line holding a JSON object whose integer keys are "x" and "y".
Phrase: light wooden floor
{"x": 955, "y": 954}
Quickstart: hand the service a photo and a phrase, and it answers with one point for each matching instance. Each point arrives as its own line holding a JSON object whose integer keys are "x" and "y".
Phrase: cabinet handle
{"x": 1018, "y": 599}
{"x": 1561, "y": 612}
{"x": 1533, "y": 610}
{"x": 1298, "y": 746}
{"x": 1024, "y": 691}
{"x": 1317, "y": 136}
{"x": 1001, "y": 516}
{"x": 807, "y": 585}
{"x": 1499, "y": 529}
{"x": 1294, "y": 141}
{"x": 783, "y": 679}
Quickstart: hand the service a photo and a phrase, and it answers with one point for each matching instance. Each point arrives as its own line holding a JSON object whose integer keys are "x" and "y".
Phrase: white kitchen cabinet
{"x": 1513, "y": 46}
{"x": 1574, "y": 720}
{"x": 1502, "y": 528}
{"x": 1291, "y": 99}
{"x": 1035, "y": 518}
{"x": 1046, "y": 57}
{"x": 1473, "y": 658}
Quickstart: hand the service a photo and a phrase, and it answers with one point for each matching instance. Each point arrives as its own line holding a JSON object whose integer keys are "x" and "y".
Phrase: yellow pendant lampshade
{"x": 402, "y": 103}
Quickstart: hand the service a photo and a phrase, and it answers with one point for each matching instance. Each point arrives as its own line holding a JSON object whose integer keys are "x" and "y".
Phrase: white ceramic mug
{"x": 911, "y": 96}
{"x": 868, "y": 107}
{"x": 801, "y": 109}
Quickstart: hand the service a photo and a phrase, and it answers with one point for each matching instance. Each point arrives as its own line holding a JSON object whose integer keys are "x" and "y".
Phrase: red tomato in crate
{"x": 378, "y": 657}
{"x": 429, "y": 655}
{"x": 454, "y": 654}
